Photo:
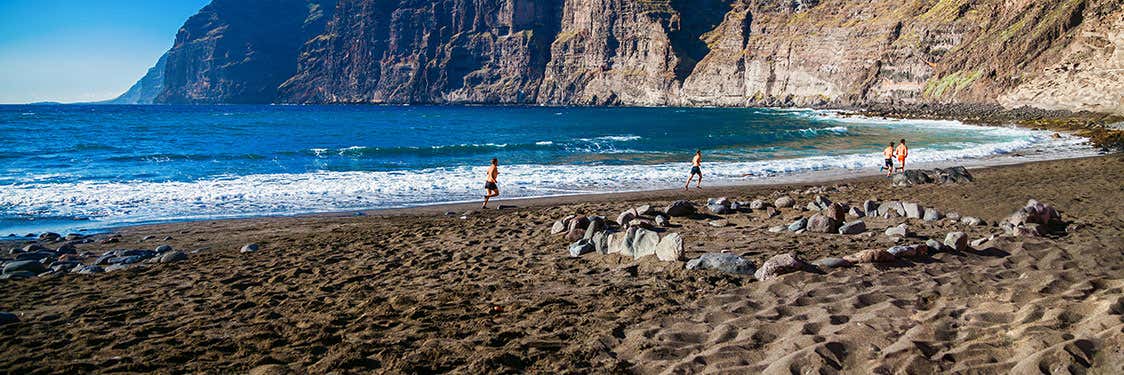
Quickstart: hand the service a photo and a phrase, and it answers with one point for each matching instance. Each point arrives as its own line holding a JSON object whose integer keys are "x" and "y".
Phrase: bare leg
{"x": 698, "y": 185}
{"x": 688, "y": 185}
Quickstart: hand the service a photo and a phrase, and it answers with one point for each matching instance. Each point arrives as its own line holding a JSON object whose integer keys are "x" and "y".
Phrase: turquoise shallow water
{"x": 89, "y": 167}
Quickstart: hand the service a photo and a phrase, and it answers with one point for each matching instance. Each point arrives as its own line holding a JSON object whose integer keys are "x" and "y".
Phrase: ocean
{"x": 75, "y": 167}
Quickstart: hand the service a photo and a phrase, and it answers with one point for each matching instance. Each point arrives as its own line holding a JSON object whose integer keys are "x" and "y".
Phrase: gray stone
{"x": 931, "y": 214}
{"x": 50, "y": 237}
{"x": 249, "y": 248}
{"x": 643, "y": 223}
{"x": 934, "y": 245}
{"x": 957, "y": 241}
{"x": 912, "y": 177}
{"x": 36, "y": 256}
{"x": 625, "y": 217}
{"x": 870, "y": 206}
{"x": 719, "y": 209}
{"x": 854, "y": 227}
{"x": 644, "y": 243}
{"x": 971, "y": 221}
{"x": 600, "y": 242}
{"x": 33, "y": 248}
{"x": 718, "y": 201}
{"x": 952, "y": 215}
{"x": 596, "y": 224}
{"x": 980, "y": 242}
{"x": 67, "y": 249}
{"x": 891, "y": 207}
{"x": 86, "y": 270}
{"x": 117, "y": 267}
{"x": 8, "y": 318}
{"x": 901, "y": 230}
{"x": 910, "y": 251}
{"x": 561, "y": 226}
{"x": 670, "y": 248}
{"x": 777, "y": 229}
{"x": 856, "y": 212}
{"x": 163, "y": 249}
{"x": 913, "y": 210}
{"x": 646, "y": 210}
{"x": 780, "y": 265}
{"x": 831, "y": 262}
{"x": 581, "y": 247}
{"x": 73, "y": 237}
{"x": 784, "y": 202}
{"x": 173, "y": 256}
{"x": 32, "y": 266}
{"x": 680, "y": 209}
{"x": 821, "y": 224}
{"x": 662, "y": 221}
{"x": 757, "y": 204}
{"x": 797, "y": 225}
{"x": 728, "y": 263}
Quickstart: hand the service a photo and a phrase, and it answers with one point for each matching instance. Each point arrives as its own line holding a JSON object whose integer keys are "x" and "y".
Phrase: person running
{"x": 491, "y": 190}
{"x": 696, "y": 170}
{"x": 901, "y": 152}
{"x": 889, "y": 154}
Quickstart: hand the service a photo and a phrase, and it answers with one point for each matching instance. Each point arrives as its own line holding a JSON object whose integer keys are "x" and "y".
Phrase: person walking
{"x": 491, "y": 187}
{"x": 696, "y": 170}
{"x": 901, "y": 152}
{"x": 888, "y": 153}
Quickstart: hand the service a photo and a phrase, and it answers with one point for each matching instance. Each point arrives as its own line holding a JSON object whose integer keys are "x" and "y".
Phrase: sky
{"x": 83, "y": 50}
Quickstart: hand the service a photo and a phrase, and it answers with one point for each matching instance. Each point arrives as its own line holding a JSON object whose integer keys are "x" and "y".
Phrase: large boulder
{"x": 931, "y": 214}
{"x": 626, "y": 217}
{"x": 670, "y": 248}
{"x": 32, "y": 266}
{"x": 728, "y": 263}
{"x": 871, "y": 256}
{"x": 854, "y": 227}
{"x": 822, "y": 224}
{"x": 596, "y": 224}
{"x": 955, "y": 175}
{"x": 836, "y": 211}
{"x": 913, "y": 210}
{"x": 912, "y": 177}
{"x": 780, "y": 265}
{"x": 784, "y": 202}
{"x": 680, "y": 209}
{"x": 901, "y": 230}
{"x": 562, "y": 225}
{"x": 957, "y": 241}
{"x": 600, "y": 242}
{"x": 634, "y": 242}
{"x": 891, "y": 208}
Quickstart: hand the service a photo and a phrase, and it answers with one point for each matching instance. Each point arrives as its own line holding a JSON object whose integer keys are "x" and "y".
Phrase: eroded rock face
{"x": 666, "y": 52}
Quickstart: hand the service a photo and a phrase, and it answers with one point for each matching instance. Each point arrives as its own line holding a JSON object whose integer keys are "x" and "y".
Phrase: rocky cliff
{"x": 1053, "y": 54}
{"x": 147, "y": 88}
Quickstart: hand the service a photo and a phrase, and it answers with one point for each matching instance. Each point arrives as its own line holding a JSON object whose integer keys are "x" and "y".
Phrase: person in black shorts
{"x": 491, "y": 189}
{"x": 889, "y": 154}
{"x": 696, "y": 170}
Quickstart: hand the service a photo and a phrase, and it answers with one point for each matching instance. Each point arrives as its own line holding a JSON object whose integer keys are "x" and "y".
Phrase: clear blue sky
{"x": 83, "y": 50}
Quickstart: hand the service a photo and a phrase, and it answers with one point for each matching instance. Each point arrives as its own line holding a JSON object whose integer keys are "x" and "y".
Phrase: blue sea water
{"x": 77, "y": 167}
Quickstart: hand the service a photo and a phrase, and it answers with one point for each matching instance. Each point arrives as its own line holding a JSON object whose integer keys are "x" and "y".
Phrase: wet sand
{"x": 409, "y": 291}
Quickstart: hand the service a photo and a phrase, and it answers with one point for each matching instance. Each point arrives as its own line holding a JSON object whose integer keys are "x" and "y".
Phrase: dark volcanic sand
{"x": 416, "y": 291}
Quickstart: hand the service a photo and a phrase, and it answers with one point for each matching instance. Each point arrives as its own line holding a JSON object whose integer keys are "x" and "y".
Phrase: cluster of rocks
{"x": 932, "y": 176}
{"x": 36, "y": 259}
{"x": 635, "y": 233}
{"x": 1033, "y": 220}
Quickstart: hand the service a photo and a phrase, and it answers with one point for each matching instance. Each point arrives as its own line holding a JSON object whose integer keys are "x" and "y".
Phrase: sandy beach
{"x": 420, "y": 290}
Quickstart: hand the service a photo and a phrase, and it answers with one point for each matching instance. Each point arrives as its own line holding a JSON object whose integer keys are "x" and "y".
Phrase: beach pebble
{"x": 871, "y": 256}
{"x": 582, "y": 247}
{"x": 957, "y": 241}
{"x": 780, "y": 265}
{"x": 854, "y": 227}
{"x": 147, "y": 238}
{"x": 728, "y": 263}
{"x": 680, "y": 209}
{"x": 670, "y": 248}
{"x": 831, "y": 262}
{"x": 74, "y": 237}
{"x": 163, "y": 249}
{"x": 757, "y": 204}
{"x": 64, "y": 265}
{"x": 117, "y": 267}
{"x": 8, "y": 318}
{"x": 719, "y": 223}
{"x": 33, "y": 266}
{"x": 169, "y": 238}
{"x": 972, "y": 221}
{"x": 173, "y": 256}
{"x": 913, "y": 210}
{"x": 798, "y": 225}
{"x": 934, "y": 245}
{"x": 662, "y": 221}
{"x": 249, "y": 248}
{"x": 66, "y": 249}
{"x": 952, "y": 215}
{"x": 980, "y": 242}
{"x": 901, "y": 230}
{"x": 33, "y": 248}
{"x": 625, "y": 217}
{"x": 784, "y": 202}
{"x": 931, "y": 214}
{"x": 821, "y": 224}
{"x": 910, "y": 251}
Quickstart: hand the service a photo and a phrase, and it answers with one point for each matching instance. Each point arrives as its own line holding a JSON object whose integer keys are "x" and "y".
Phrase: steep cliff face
{"x": 237, "y": 51}
{"x": 1055, "y": 54}
{"x": 147, "y": 88}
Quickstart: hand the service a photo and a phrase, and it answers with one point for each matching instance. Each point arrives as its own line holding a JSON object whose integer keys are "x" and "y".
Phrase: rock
{"x": 912, "y": 177}
{"x": 854, "y": 227}
{"x": 957, "y": 241}
{"x": 955, "y": 175}
{"x": 1026, "y": 230}
{"x": 911, "y": 251}
{"x": 37, "y": 256}
{"x": 131, "y": 259}
{"x": 971, "y": 221}
{"x": 561, "y": 226}
{"x": 870, "y": 206}
{"x": 952, "y": 215}
{"x": 821, "y": 224}
{"x": 31, "y": 248}
{"x": 73, "y": 237}
{"x": 579, "y": 222}
{"x": 625, "y": 217}
{"x": 757, "y": 204}
{"x": 250, "y": 248}
{"x": 934, "y": 245}
{"x": 575, "y": 234}
{"x": 718, "y": 209}
{"x": 163, "y": 249}
{"x": 784, "y": 202}
{"x": 831, "y": 262}
{"x": 86, "y": 270}
{"x": 891, "y": 208}
{"x": 812, "y": 206}
{"x": 172, "y": 256}
{"x": 50, "y": 237}
{"x": 770, "y": 213}
{"x": 8, "y": 318}
{"x": 169, "y": 238}
{"x": 634, "y": 242}
{"x": 777, "y": 229}
{"x": 856, "y": 212}
{"x": 680, "y": 209}
{"x": 836, "y": 212}
{"x": 780, "y": 265}
{"x": 797, "y": 225}
{"x": 116, "y": 267}
{"x": 600, "y": 242}
{"x": 582, "y": 247}
{"x": 871, "y": 256}
{"x": 66, "y": 249}
{"x": 728, "y": 263}
{"x": 719, "y": 223}
{"x": 913, "y": 210}
{"x": 33, "y": 266}
{"x": 662, "y": 221}
{"x": 718, "y": 201}
{"x": 596, "y": 224}
{"x": 901, "y": 230}
{"x": 931, "y": 214}
{"x": 148, "y": 238}
{"x": 647, "y": 210}
{"x": 670, "y": 248}
{"x": 735, "y": 206}
{"x": 61, "y": 266}
{"x": 980, "y": 242}
{"x": 820, "y": 202}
